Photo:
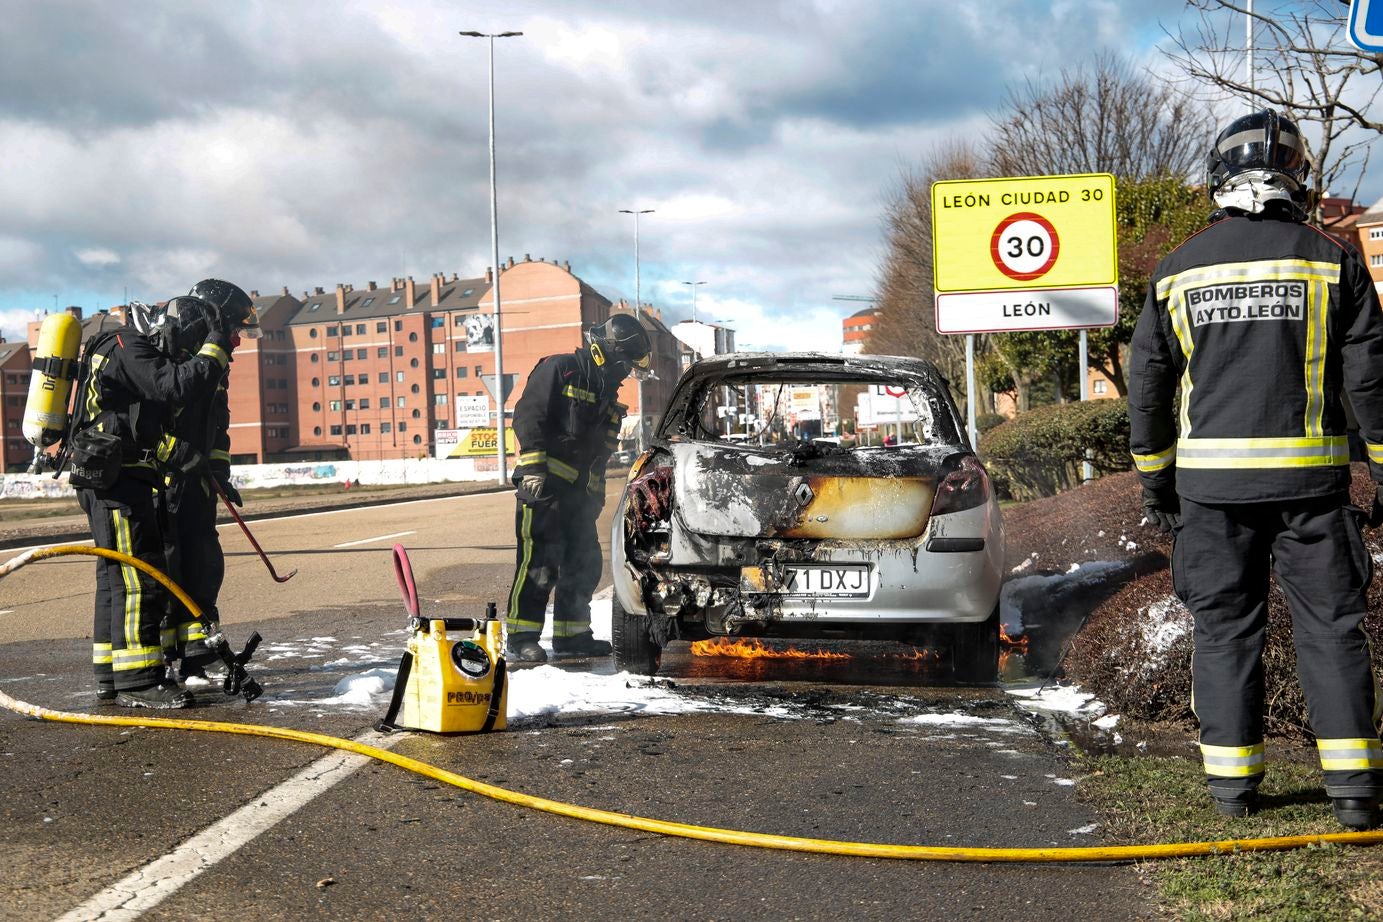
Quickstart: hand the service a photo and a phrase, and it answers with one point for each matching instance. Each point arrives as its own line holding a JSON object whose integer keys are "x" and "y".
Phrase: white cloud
{"x": 97, "y": 256}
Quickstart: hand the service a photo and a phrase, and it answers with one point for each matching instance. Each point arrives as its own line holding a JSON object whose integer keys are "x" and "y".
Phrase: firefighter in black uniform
{"x": 124, "y": 403}
{"x": 1262, "y": 321}
{"x": 202, "y": 426}
{"x": 567, "y": 423}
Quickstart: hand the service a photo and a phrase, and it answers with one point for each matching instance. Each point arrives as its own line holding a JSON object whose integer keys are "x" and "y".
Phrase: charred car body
{"x": 741, "y": 519}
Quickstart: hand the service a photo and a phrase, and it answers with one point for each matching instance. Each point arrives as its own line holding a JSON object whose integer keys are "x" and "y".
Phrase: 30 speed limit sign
{"x": 1024, "y": 253}
{"x": 1024, "y": 246}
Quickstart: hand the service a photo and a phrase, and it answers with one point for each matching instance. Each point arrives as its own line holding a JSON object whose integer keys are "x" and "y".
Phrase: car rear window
{"x": 849, "y": 414}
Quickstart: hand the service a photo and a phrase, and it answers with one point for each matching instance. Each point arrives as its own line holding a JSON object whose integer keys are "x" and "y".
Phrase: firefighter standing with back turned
{"x": 127, "y": 390}
{"x": 567, "y": 423}
{"x": 1262, "y": 321}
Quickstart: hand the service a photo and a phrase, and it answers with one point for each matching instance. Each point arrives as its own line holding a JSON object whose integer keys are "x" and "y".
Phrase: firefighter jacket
{"x": 1260, "y": 322}
{"x": 202, "y": 425}
{"x": 132, "y": 391}
{"x": 567, "y": 422}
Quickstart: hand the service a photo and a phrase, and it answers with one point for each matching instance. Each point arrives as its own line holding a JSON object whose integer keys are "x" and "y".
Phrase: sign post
{"x": 1023, "y": 253}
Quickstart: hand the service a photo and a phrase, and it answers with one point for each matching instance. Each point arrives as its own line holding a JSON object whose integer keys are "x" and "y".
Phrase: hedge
{"x": 1039, "y": 453}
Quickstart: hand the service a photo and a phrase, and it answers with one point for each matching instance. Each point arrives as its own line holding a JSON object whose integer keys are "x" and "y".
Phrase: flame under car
{"x": 743, "y": 519}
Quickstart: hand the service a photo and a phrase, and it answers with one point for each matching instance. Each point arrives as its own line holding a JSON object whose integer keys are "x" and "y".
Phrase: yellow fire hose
{"x": 645, "y": 824}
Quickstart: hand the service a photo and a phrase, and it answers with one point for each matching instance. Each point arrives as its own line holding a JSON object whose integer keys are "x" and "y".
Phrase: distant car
{"x": 773, "y": 536}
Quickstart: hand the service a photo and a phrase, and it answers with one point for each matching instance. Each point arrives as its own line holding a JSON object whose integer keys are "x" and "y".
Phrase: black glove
{"x": 228, "y": 488}
{"x": 1376, "y": 513}
{"x": 185, "y": 459}
{"x": 1163, "y": 508}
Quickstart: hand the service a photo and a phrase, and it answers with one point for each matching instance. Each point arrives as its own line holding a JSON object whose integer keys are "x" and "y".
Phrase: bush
{"x": 986, "y": 421}
{"x": 1039, "y": 453}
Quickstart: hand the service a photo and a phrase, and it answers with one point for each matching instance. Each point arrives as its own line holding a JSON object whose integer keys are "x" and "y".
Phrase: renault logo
{"x": 803, "y": 494}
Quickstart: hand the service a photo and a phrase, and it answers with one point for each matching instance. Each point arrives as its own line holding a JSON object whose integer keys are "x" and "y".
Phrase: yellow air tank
{"x": 452, "y": 679}
{"x": 55, "y": 367}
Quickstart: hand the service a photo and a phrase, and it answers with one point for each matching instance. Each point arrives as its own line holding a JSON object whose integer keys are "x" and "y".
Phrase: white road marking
{"x": 150, "y": 885}
{"x": 7, "y": 611}
{"x": 397, "y": 534}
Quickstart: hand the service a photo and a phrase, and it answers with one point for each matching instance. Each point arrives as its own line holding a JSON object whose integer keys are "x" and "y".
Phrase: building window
{"x": 382, "y": 352}
{"x": 316, "y": 406}
{"x": 332, "y": 331}
{"x": 316, "y": 382}
{"x": 468, "y": 292}
{"x": 335, "y": 430}
{"x": 403, "y": 427}
{"x": 345, "y": 329}
{"x": 314, "y": 358}
{"x": 458, "y": 321}
{"x": 384, "y": 377}
{"x": 360, "y": 327}
{"x": 350, "y": 380}
{"x": 360, "y": 354}
{"x": 414, "y": 389}
{"x": 398, "y": 351}
{"x": 439, "y": 348}
{"x": 418, "y": 440}
{"x": 364, "y": 403}
{"x": 412, "y": 337}
{"x": 335, "y": 406}
{"x": 1376, "y": 259}
{"x": 478, "y": 371}
{"x": 398, "y": 324}
{"x": 401, "y": 403}
{"x": 439, "y": 374}
{"x": 395, "y": 299}
{"x": 381, "y": 327}
{"x": 350, "y": 429}
{"x": 350, "y": 404}
{"x": 398, "y": 376}
{"x": 461, "y": 372}
{"x": 1376, "y": 233}
{"x": 438, "y": 323}
{"x": 385, "y": 428}
{"x": 412, "y": 363}
{"x": 312, "y": 307}
{"x": 346, "y": 356}
{"x": 1101, "y": 386}
{"x": 417, "y": 414}
{"x": 460, "y": 345}
{"x": 364, "y": 428}
{"x": 440, "y": 400}
{"x": 333, "y": 356}
{"x": 316, "y": 430}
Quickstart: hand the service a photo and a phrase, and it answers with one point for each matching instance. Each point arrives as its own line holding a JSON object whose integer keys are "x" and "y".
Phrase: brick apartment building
{"x": 1370, "y": 227}
{"x": 372, "y": 373}
{"x": 854, "y": 330}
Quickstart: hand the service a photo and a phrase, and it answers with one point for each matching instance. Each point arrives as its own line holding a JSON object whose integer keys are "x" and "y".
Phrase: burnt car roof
{"x": 748, "y": 363}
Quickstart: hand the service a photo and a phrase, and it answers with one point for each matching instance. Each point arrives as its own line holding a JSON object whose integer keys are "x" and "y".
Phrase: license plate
{"x": 843, "y": 582}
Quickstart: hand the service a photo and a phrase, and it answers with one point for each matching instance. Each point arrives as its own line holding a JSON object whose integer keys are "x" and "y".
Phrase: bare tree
{"x": 907, "y": 302}
{"x": 1104, "y": 117}
{"x": 1303, "y": 65}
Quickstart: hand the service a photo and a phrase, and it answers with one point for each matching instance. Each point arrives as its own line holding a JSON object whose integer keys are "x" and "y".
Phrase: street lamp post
{"x": 638, "y": 306}
{"x": 693, "y": 291}
{"x": 500, "y": 454}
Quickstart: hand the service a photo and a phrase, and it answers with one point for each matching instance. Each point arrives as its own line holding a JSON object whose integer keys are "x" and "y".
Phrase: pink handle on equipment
{"x": 403, "y": 572}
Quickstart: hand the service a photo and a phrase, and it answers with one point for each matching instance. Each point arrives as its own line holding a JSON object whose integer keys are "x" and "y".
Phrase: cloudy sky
{"x": 150, "y": 144}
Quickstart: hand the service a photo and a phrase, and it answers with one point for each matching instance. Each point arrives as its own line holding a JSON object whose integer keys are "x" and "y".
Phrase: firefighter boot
{"x": 163, "y": 697}
{"x": 524, "y": 648}
{"x": 581, "y": 645}
{"x": 1356, "y": 813}
{"x": 105, "y": 692}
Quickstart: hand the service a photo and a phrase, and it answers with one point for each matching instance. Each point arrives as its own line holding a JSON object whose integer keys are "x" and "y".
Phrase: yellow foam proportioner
{"x": 452, "y": 678}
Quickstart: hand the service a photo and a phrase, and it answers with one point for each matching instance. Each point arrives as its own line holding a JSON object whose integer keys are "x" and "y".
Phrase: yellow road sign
{"x": 1034, "y": 232}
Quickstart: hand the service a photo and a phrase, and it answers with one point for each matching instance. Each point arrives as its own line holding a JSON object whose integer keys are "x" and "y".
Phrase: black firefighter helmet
{"x": 189, "y": 316}
{"x": 1263, "y": 142}
{"x": 623, "y": 343}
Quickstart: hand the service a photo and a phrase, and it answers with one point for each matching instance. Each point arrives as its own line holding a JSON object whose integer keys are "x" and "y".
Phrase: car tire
{"x": 633, "y": 649}
{"x": 975, "y": 651}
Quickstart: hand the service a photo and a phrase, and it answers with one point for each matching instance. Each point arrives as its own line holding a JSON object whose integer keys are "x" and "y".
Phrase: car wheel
{"x": 634, "y": 651}
{"x": 975, "y": 650}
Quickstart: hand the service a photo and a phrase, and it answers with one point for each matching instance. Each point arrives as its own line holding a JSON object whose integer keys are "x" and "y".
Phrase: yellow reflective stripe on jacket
{"x": 1232, "y": 761}
{"x": 577, "y": 393}
{"x": 1321, "y": 451}
{"x": 215, "y": 352}
{"x": 1155, "y": 462}
{"x": 100, "y": 654}
{"x": 92, "y": 397}
{"x": 1350, "y": 754}
{"x": 563, "y": 470}
{"x": 166, "y": 447}
{"x": 129, "y": 577}
{"x": 136, "y": 658}
{"x": 595, "y": 483}
{"x": 1173, "y": 289}
{"x": 190, "y": 631}
{"x": 1375, "y": 452}
{"x": 218, "y": 454}
{"x": 532, "y": 457}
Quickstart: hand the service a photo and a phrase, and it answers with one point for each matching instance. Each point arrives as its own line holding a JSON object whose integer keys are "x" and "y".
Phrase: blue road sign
{"x": 1366, "y": 25}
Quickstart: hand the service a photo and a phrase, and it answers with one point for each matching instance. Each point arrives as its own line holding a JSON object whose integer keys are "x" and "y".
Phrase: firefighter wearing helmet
{"x": 199, "y": 433}
{"x": 119, "y": 454}
{"x": 1261, "y": 321}
{"x": 567, "y": 422}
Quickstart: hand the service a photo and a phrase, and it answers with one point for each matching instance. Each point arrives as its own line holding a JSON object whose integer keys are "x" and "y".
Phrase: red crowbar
{"x": 230, "y": 507}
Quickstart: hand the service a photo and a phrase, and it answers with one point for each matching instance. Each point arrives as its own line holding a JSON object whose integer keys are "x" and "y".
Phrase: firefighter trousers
{"x": 559, "y": 555}
{"x": 1220, "y": 568}
{"x": 130, "y": 605}
{"x": 195, "y": 562}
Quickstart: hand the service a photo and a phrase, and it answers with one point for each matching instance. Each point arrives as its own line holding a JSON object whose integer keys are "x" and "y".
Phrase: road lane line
{"x": 150, "y": 885}
{"x": 397, "y": 534}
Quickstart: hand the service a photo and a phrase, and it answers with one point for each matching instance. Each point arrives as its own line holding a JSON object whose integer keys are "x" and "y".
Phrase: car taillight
{"x": 963, "y": 488}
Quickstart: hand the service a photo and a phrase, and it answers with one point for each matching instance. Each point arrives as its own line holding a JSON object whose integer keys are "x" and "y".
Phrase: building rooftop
{"x": 372, "y": 303}
{"x": 1374, "y": 215}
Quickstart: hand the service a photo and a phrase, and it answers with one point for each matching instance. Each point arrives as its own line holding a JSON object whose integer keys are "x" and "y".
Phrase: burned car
{"x": 743, "y": 519}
